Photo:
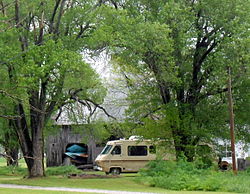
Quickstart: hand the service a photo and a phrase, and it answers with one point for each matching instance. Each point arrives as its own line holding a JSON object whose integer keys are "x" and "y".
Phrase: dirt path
{"x": 69, "y": 189}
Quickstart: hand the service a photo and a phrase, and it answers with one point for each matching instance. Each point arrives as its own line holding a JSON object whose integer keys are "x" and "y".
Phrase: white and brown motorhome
{"x": 125, "y": 156}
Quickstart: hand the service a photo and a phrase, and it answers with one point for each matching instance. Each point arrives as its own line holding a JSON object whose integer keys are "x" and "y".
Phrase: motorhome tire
{"x": 115, "y": 171}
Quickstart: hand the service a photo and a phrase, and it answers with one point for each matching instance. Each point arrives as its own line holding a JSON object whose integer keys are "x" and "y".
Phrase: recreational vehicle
{"x": 125, "y": 156}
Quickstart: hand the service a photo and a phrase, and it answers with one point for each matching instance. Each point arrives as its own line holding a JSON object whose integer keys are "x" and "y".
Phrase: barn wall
{"x": 56, "y": 146}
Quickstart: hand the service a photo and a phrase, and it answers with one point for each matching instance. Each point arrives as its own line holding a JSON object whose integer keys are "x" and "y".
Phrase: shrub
{"x": 13, "y": 170}
{"x": 62, "y": 170}
{"x": 158, "y": 168}
{"x": 184, "y": 175}
{"x": 50, "y": 171}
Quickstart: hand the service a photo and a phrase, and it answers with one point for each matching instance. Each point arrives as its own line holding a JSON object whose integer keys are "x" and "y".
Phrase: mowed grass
{"x": 21, "y": 162}
{"x": 29, "y": 191}
{"x": 122, "y": 184}
{"x": 125, "y": 182}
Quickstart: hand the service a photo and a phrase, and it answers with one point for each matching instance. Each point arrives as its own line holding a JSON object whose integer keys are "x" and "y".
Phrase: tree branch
{"x": 54, "y": 99}
{"x": 100, "y": 107}
{"x": 51, "y": 25}
{"x": 114, "y": 3}
{"x": 41, "y": 27}
{"x": 83, "y": 29}
{"x": 59, "y": 17}
{"x": 3, "y": 7}
{"x": 10, "y": 117}
{"x": 211, "y": 93}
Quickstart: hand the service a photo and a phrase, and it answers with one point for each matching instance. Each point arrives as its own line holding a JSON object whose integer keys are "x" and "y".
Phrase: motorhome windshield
{"x": 106, "y": 149}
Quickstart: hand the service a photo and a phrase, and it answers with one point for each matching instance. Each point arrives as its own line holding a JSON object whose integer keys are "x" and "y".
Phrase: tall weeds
{"x": 183, "y": 175}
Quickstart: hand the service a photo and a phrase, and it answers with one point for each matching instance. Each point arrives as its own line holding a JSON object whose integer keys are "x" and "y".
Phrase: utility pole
{"x": 231, "y": 116}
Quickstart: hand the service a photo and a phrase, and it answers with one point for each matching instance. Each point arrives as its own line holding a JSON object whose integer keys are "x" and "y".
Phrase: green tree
{"x": 41, "y": 42}
{"x": 175, "y": 56}
{"x": 9, "y": 141}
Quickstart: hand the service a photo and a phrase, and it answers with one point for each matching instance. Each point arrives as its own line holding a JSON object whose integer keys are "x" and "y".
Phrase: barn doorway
{"x": 75, "y": 154}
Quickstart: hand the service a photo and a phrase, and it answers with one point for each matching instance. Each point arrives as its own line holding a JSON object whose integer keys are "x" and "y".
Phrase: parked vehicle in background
{"x": 125, "y": 156}
{"x": 242, "y": 154}
{"x": 76, "y": 154}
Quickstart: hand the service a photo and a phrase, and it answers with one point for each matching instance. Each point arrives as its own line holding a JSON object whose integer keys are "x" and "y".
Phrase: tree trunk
{"x": 183, "y": 145}
{"x": 10, "y": 145}
{"x": 32, "y": 148}
{"x": 37, "y": 167}
{"x": 35, "y": 162}
{"x": 184, "y": 139}
{"x": 12, "y": 156}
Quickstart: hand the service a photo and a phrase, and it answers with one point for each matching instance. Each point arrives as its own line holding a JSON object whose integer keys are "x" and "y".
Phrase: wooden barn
{"x": 57, "y": 145}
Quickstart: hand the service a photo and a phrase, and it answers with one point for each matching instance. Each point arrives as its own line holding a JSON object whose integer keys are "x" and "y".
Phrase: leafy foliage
{"x": 184, "y": 175}
{"x": 43, "y": 68}
{"x": 51, "y": 171}
{"x": 13, "y": 171}
{"x": 174, "y": 56}
{"x": 62, "y": 170}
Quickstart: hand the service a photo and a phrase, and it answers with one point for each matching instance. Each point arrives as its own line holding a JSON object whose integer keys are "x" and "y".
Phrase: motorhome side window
{"x": 137, "y": 151}
{"x": 116, "y": 150}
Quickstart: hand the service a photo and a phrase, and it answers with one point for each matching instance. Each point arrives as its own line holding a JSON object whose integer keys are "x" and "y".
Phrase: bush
{"x": 184, "y": 175}
{"x": 13, "y": 170}
{"x": 62, "y": 170}
{"x": 50, "y": 171}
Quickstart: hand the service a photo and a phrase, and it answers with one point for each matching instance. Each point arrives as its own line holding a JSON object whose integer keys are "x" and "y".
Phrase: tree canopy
{"x": 42, "y": 68}
{"x": 175, "y": 57}
{"x": 173, "y": 54}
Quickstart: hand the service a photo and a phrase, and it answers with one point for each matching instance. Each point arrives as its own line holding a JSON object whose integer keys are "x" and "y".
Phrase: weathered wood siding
{"x": 56, "y": 146}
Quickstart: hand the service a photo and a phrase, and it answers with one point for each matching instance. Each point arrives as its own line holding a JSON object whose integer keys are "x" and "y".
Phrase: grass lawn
{"x": 21, "y": 163}
{"x": 126, "y": 182}
{"x": 123, "y": 183}
{"x": 27, "y": 191}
